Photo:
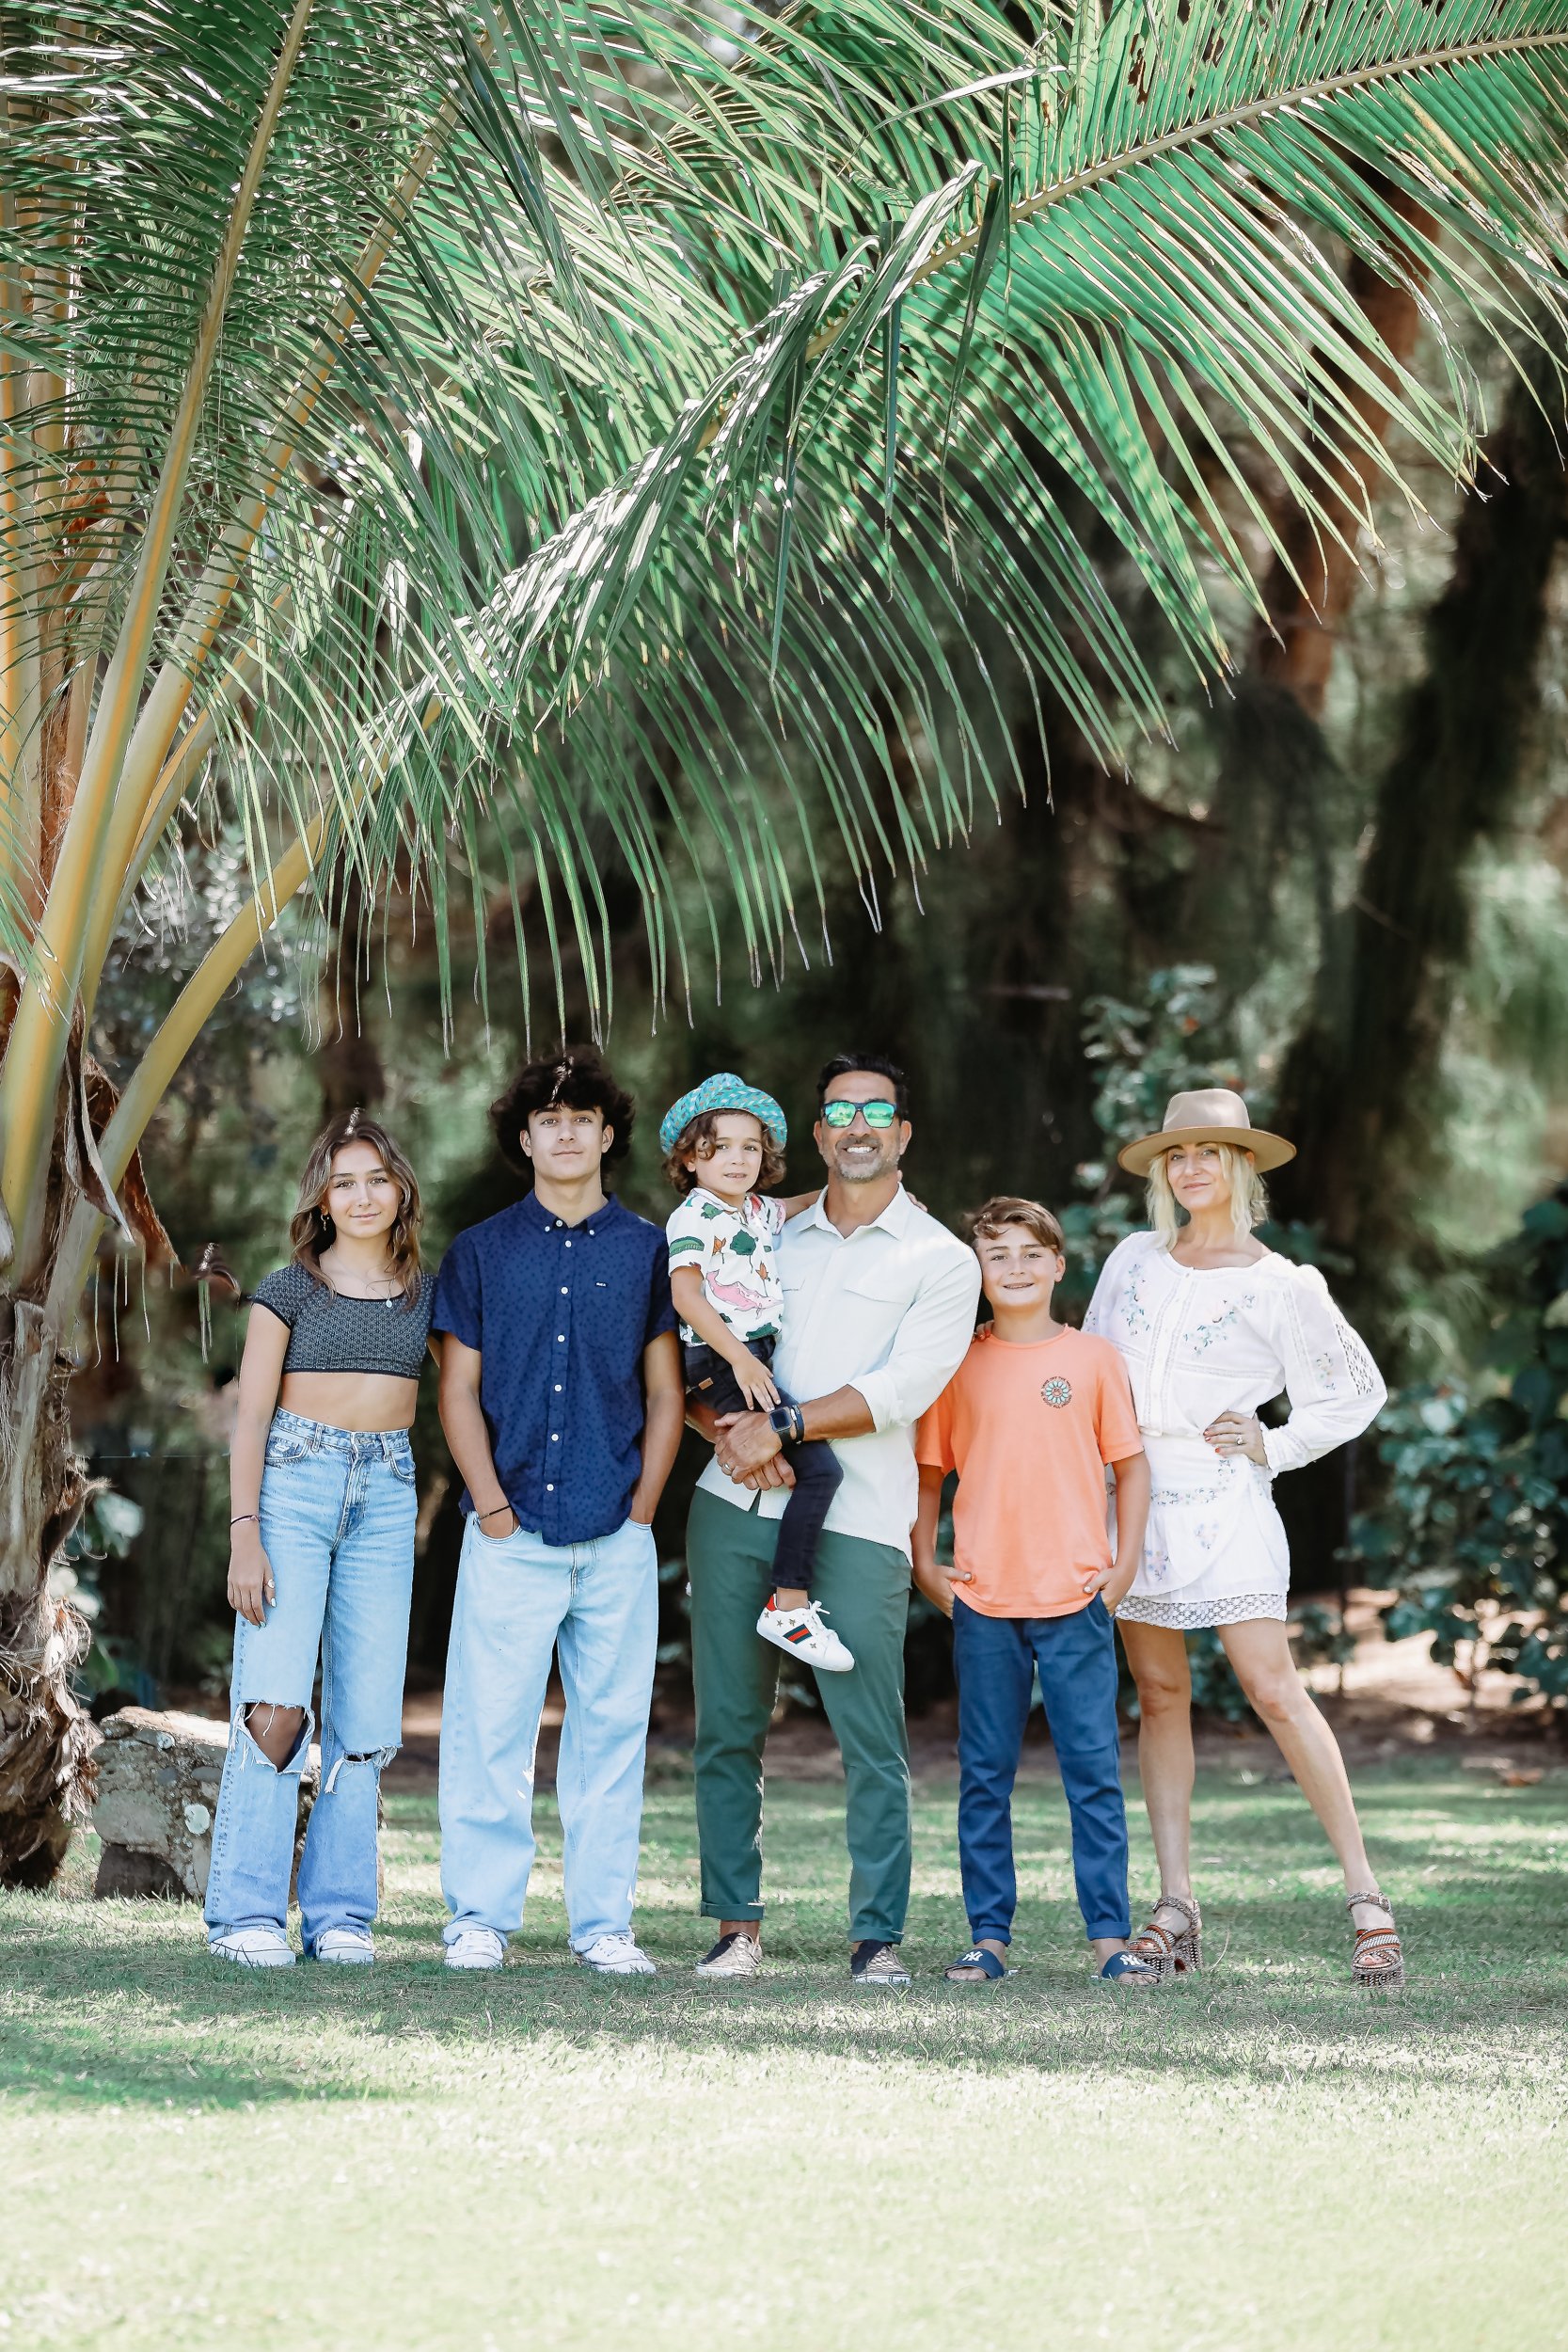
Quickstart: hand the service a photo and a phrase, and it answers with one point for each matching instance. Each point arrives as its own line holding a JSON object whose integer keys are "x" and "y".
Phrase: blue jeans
{"x": 518, "y": 1600}
{"x": 994, "y": 1659}
{"x": 337, "y": 1512}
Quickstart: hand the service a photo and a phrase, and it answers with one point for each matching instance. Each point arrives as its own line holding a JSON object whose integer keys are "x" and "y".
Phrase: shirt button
{"x": 568, "y": 1245}
{"x": 555, "y": 1436}
{"x": 563, "y": 1290}
{"x": 549, "y": 1490}
{"x": 558, "y": 1388}
{"x": 561, "y": 1339}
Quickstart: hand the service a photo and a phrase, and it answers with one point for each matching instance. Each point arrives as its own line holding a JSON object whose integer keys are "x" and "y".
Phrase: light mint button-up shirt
{"x": 889, "y": 1310}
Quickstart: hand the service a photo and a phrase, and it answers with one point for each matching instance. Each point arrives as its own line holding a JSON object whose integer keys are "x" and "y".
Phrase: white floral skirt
{"x": 1215, "y": 1553}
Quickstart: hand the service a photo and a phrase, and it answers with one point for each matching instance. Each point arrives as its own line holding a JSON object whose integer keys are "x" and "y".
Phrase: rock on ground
{"x": 158, "y": 1778}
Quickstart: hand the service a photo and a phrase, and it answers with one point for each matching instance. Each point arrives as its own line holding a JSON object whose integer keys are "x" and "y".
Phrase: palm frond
{"x": 554, "y": 496}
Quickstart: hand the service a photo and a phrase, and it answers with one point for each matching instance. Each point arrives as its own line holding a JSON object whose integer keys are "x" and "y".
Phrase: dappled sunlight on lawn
{"x": 572, "y": 2156}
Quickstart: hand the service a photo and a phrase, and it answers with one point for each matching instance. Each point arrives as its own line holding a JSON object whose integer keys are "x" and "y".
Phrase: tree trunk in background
{"x": 1294, "y": 649}
{"x": 1358, "y": 1088}
{"x": 348, "y": 1060}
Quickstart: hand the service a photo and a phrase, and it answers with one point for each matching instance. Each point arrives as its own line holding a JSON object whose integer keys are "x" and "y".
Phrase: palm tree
{"x": 441, "y": 439}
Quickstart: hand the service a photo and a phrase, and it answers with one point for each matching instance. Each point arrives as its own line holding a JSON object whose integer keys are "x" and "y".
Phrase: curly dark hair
{"x": 700, "y": 1138}
{"x": 575, "y": 1079}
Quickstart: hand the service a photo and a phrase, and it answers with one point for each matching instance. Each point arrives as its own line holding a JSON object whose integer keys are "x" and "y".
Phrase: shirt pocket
{"x": 612, "y": 1315}
{"x": 885, "y": 1288}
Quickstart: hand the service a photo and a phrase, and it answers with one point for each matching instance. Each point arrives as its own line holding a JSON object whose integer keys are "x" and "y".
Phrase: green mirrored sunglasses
{"x": 840, "y": 1113}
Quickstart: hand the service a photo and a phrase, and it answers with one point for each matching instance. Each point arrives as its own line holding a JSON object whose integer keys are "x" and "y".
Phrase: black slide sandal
{"x": 991, "y": 1968}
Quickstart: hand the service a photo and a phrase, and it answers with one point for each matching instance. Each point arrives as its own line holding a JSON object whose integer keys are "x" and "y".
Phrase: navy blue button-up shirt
{"x": 561, "y": 1314}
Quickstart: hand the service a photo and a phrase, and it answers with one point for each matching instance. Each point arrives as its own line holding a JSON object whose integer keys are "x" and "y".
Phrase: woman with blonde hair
{"x": 1211, "y": 1326}
{"x": 322, "y": 1554}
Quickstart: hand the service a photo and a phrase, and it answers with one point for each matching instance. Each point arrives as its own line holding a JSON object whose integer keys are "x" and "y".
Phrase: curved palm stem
{"x": 35, "y": 1052}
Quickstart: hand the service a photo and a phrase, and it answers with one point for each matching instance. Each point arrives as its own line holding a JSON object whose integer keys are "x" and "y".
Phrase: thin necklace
{"x": 363, "y": 1299}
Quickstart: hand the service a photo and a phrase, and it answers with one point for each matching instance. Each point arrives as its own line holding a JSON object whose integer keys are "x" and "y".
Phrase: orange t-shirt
{"x": 1029, "y": 1431}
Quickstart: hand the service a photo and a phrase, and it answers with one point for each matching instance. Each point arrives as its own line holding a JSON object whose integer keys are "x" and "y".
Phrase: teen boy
{"x": 563, "y": 1402}
{"x": 1030, "y": 1420}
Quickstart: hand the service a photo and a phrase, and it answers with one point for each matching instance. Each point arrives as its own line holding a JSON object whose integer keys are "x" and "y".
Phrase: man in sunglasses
{"x": 879, "y": 1310}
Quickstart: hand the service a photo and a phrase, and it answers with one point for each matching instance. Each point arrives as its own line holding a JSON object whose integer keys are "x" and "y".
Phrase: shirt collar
{"x": 894, "y": 1218}
{"x": 542, "y": 1220}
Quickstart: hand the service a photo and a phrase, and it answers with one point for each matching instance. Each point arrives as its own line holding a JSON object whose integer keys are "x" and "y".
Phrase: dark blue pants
{"x": 818, "y": 1474}
{"x": 994, "y": 1659}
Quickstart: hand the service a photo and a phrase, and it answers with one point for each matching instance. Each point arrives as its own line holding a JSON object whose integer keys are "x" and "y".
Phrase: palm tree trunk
{"x": 46, "y": 1739}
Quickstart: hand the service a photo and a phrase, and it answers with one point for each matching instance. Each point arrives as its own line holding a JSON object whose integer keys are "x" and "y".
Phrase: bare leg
{"x": 1158, "y": 1657}
{"x": 275, "y": 1730}
{"x": 1260, "y": 1653}
{"x": 742, "y": 1927}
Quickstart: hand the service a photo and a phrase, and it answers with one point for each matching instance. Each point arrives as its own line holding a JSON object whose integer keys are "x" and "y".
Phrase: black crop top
{"x": 331, "y": 1332}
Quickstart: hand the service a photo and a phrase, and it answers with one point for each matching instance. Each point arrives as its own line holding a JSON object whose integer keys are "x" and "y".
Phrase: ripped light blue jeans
{"x": 337, "y": 1512}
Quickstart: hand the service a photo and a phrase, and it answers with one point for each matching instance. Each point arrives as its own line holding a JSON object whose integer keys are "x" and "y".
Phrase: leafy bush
{"x": 1472, "y": 1535}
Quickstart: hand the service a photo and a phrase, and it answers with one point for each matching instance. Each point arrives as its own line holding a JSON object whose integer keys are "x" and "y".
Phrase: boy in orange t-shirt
{"x": 1030, "y": 1420}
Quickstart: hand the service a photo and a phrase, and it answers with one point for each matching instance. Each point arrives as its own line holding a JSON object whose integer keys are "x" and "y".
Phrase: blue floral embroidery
{"x": 1130, "y": 1307}
{"x": 1203, "y": 1335}
{"x": 1058, "y": 1391}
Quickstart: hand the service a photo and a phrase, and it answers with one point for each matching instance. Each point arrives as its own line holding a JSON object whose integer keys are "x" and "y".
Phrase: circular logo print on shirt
{"x": 1058, "y": 1392}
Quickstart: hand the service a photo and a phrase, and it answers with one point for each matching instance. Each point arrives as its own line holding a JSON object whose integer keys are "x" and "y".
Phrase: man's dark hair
{"x": 843, "y": 1065}
{"x": 575, "y": 1079}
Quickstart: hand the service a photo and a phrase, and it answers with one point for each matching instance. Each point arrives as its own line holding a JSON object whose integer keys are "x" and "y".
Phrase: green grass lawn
{"x": 198, "y": 2156}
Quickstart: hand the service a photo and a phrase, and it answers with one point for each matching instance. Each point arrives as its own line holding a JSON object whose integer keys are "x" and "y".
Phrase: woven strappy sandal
{"x": 1379, "y": 1961}
{"x": 1172, "y": 1952}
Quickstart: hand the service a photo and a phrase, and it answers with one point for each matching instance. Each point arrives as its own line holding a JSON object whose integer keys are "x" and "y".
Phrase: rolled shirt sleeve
{"x": 456, "y": 1306}
{"x": 1335, "y": 1389}
{"x": 933, "y": 1340}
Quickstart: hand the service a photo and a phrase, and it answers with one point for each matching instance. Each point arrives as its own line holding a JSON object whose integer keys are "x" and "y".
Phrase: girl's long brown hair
{"x": 311, "y": 1228}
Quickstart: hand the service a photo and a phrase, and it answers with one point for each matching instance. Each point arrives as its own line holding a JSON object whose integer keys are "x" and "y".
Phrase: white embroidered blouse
{"x": 1201, "y": 1341}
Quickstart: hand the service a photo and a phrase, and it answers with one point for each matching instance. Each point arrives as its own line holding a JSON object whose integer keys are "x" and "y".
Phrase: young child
{"x": 720, "y": 1142}
{"x": 1030, "y": 1420}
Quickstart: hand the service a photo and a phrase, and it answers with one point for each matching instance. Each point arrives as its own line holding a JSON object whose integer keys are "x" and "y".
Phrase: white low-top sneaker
{"x": 254, "y": 1947}
{"x": 345, "y": 1948}
{"x": 617, "y": 1956}
{"x": 477, "y": 1948}
{"x": 734, "y": 1955}
{"x": 804, "y": 1635}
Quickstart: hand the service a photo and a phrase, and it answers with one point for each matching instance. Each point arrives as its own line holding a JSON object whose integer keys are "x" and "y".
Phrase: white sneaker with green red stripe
{"x": 804, "y": 1634}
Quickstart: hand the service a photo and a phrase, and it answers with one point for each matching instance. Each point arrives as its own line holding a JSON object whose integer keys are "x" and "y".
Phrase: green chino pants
{"x": 865, "y": 1588}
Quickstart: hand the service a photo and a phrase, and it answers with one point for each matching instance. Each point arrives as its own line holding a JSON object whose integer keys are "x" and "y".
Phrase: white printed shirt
{"x": 735, "y": 1252}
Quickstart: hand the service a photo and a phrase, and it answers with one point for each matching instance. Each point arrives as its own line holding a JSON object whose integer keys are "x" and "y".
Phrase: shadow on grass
{"x": 174, "y": 2034}
{"x": 119, "y": 2005}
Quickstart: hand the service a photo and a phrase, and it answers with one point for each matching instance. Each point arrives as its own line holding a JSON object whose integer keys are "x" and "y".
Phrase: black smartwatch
{"x": 787, "y": 1421}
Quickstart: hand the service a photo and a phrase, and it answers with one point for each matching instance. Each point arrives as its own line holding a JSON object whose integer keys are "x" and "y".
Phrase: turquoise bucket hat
{"x": 722, "y": 1093}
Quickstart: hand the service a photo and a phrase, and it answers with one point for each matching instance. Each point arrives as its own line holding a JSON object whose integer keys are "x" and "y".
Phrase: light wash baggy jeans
{"x": 518, "y": 1599}
{"x": 338, "y": 1511}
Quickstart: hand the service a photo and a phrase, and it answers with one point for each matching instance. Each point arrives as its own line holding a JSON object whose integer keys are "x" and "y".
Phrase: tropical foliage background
{"x": 1030, "y": 538}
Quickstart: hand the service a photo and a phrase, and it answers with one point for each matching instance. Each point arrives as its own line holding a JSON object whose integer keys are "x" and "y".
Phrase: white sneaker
{"x": 254, "y": 1947}
{"x": 802, "y": 1634}
{"x": 345, "y": 1948}
{"x": 734, "y": 1955}
{"x": 477, "y": 1948}
{"x": 617, "y": 1956}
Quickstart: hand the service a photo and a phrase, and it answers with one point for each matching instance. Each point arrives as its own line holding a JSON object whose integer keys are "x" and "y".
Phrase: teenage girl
{"x": 322, "y": 1554}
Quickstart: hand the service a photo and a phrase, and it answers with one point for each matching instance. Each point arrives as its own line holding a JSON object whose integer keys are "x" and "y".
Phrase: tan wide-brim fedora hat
{"x": 1209, "y": 1115}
